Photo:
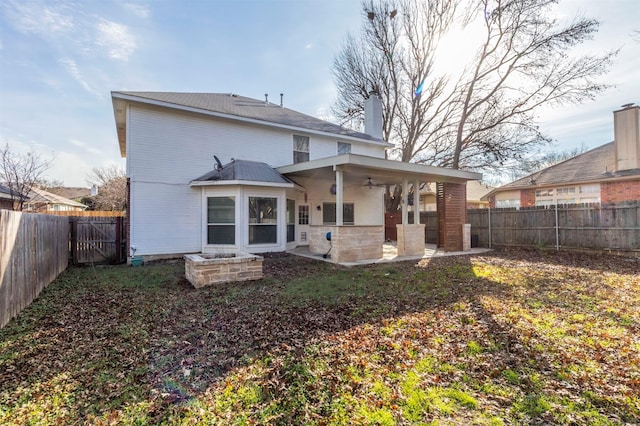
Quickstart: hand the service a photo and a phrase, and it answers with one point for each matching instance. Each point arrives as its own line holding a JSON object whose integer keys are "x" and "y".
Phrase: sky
{"x": 60, "y": 59}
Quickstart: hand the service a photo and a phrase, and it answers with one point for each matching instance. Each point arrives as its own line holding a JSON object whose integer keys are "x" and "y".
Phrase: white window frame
{"x": 511, "y": 203}
{"x": 207, "y": 193}
{"x": 261, "y": 224}
{"x": 299, "y": 148}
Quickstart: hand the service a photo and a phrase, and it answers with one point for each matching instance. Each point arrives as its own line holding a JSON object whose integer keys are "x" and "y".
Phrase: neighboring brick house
{"x": 607, "y": 174}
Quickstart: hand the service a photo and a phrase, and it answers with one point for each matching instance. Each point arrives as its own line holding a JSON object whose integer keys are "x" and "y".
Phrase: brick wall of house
{"x": 616, "y": 192}
{"x": 527, "y": 197}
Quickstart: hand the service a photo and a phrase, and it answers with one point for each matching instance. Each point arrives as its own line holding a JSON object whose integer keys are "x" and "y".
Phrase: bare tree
{"x": 48, "y": 184}
{"x": 534, "y": 163}
{"x": 20, "y": 172}
{"x": 484, "y": 115}
{"x": 111, "y": 183}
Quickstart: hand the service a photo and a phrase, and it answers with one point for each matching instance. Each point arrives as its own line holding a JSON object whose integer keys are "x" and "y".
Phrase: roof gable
{"x": 40, "y": 196}
{"x": 233, "y": 106}
{"x": 592, "y": 165}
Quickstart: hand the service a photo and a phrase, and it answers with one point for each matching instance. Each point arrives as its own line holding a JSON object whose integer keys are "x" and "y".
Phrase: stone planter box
{"x": 207, "y": 268}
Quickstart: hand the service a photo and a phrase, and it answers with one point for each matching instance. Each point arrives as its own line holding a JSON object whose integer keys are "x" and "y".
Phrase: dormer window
{"x": 300, "y": 149}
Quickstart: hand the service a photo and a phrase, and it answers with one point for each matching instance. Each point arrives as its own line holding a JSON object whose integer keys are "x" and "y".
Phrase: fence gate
{"x": 97, "y": 240}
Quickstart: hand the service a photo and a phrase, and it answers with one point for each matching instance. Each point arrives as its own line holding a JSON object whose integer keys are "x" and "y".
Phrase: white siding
{"x": 327, "y": 147}
{"x": 167, "y": 149}
{"x": 165, "y": 218}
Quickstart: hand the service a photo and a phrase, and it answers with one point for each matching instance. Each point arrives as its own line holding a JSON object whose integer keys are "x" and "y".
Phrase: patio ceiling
{"x": 357, "y": 169}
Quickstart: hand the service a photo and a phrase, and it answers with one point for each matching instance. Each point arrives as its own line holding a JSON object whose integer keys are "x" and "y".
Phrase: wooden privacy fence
{"x": 97, "y": 240}
{"x": 34, "y": 250}
{"x": 579, "y": 226}
{"x": 88, "y": 213}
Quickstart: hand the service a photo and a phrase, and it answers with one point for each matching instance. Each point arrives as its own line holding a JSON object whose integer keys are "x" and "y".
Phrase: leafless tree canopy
{"x": 481, "y": 114}
{"x": 20, "y": 172}
{"x": 111, "y": 182}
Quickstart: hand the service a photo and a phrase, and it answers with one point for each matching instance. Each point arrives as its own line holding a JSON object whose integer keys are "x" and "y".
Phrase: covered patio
{"x": 358, "y": 242}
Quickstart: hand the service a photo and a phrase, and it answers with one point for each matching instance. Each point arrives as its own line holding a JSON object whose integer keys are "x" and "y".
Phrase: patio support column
{"x": 416, "y": 202}
{"x": 339, "y": 198}
{"x": 452, "y": 215}
{"x": 405, "y": 201}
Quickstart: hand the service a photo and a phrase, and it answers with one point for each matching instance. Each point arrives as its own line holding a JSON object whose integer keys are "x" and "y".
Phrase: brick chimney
{"x": 626, "y": 129}
{"x": 373, "y": 115}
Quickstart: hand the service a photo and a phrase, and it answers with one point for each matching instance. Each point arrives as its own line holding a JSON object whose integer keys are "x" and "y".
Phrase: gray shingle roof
{"x": 585, "y": 167}
{"x": 245, "y": 170}
{"x": 240, "y": 106}
{"x": 40, "y": 196}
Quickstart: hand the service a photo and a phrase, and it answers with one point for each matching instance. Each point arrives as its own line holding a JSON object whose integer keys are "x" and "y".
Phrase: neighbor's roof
{"x": 596, "y": 165}
{"x": 5, "y": 192}
{"x": 243, "y": 170}
{"x": 71, "y": 192}
{"x": 232, "y": 106}
{"x": 40, "y": 196}
{"x": 475, "y": 190}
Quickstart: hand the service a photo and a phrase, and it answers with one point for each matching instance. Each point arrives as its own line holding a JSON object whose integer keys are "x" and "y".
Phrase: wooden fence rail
{"x": 596, "y": 227}
{"x": 87, "y": 213}
{"x": 579, "y": 226}
{"x": 34, "y": 250}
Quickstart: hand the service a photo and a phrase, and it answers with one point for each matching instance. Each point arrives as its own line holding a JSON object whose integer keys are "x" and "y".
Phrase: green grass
{"x": 506, "y": 338}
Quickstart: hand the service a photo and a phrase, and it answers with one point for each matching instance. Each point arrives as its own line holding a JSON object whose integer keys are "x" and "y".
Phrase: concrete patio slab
{"x": 390, "y": 254}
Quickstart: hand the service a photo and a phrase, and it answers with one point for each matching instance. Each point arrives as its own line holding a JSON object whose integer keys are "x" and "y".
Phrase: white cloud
{"x": 308, "y": 46}
{"x": 40, "y": 18}
{"x": 73, "y": 70}
{"x": 69, "y": 168}
{"x": 116, "y": 38}
{"x": 85, "y": 146}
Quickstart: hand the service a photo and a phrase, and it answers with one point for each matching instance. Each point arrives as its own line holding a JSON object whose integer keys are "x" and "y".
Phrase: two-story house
{"x": 211, "y": 172}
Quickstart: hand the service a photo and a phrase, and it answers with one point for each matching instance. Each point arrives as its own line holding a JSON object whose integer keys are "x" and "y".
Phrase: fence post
{"x": 73, "y": 240}
{"x": 557, "y": 230}
{"x": 489, "y": 227}
{"x": 119, "y": 248}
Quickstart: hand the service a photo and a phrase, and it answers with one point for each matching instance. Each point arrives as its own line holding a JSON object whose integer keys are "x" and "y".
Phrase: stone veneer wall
{"x": 348, "y": 243}
{"x": 411, "y": 240}
{"x": 201, "y": 270}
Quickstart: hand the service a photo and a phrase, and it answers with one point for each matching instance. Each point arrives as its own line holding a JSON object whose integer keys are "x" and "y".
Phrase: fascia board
{"x": 239, "y": 182}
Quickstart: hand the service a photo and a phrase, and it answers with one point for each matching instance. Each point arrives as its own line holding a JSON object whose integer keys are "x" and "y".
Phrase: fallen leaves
{"x": 509, "y": 337}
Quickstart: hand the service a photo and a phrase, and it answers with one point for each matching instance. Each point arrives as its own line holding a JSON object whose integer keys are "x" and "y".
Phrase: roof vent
{"x": 266, "y": 99}
{"x": 625, "y": 106}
